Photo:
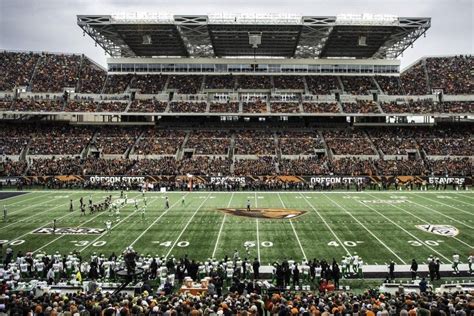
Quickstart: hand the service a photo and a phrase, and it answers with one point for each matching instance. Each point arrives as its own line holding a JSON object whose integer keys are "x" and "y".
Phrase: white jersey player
{"x": 108, "y": 225}
{"x": 455, "y": 263}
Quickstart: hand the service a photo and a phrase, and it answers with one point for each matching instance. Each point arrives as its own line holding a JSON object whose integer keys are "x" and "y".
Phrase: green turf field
{"x": 379, "y": 226}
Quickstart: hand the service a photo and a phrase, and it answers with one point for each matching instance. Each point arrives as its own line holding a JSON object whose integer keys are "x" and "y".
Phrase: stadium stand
{"x": 360, "y": 107}
{"x": 288, "y": 82}
{"x": 220, "y": 82}
{"x": 185, "y": 84}
{"x": 358, "y": 85}
{"x": 117, "y": 83}
{"x": 227, "y": 107}
{"x": 92, "y": 78}
{"x": 149, "y": 84}
{"x": 55, "y": 72}
{"x": 16, "y": 69}
{"x": 414, "y": 80}
{"x": 321, "y": 107}
{"x": 254, "y": 82}
{"x": 321, "y": 85}
{"x": 390, "y": 85}
{"x": 147, "y": 106}
{"x": 452, "y": 74}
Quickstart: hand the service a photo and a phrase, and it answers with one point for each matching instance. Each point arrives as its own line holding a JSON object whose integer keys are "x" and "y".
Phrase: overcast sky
{"x": 50, "y": 25}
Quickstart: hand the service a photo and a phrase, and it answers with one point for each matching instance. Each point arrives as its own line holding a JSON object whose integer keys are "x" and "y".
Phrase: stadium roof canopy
{"x": 280, "y": 36}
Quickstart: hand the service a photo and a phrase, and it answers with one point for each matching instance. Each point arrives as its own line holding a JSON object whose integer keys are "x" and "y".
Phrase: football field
{"x": 379, "y": 226}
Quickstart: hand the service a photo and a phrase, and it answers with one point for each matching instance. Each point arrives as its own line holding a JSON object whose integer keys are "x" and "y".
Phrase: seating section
{"x": 209, "y": 142}
{"x": 321, "y": 107}
{"x": 257, "y": 106}
{"x": 299, "y": 143}
{"x": 55, "y": 72}
{"x": 358, "y": 85}
{"x": 390, "y": 85}
{"x": 188, "y": 107}
{"x": 159, "y": 142}
{"x": 288, "y": 82}
{"x": 37, "y": 105}
{"x": 361, "y": 107}
{"x": 61, "y": 140}
{"x": 185, "y": 84}
{"x": 228, "y": 107}
{"x": 252, "y": 142}
{"x": 220, "y": 82}
{"x": 264, "y": 165}
{"x": 414, "y": 80}
{"x": 112, "y": 140}
{"x": 149, "y": 84}
{"x": 92, "y": 78}
{"x": 322, "y": 85}
{"x": 16, "y": 69}
{"x": 147, "y": 106}
{"x": 419, "y": 107}
{"x": 452, "y": 74}
{"x": 285, "y": 107}
{"x": 254, "y": 82}
{"x": 346, "y": 142}
{"x": 117, "y": 83}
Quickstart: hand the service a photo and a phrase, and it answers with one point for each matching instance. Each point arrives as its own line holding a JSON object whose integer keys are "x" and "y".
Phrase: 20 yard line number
{"x": 251, "y": 244}
{"x": 11, "y": 243}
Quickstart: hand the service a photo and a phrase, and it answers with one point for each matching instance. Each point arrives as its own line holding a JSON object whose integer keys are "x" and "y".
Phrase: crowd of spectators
{"x": 188, "y": 107}
{"x": 257, "y": 106}
{"x": 414, "y": 80}
{"x": 452, "y": 74}
{"x": 361, "y": 106}
{"x": 358, "y": 84}
{"x": 220, "y": 82}
{"x": 299, "y": 143}
{"x": 60, "y": 140}
{"x": 254, "y": 82}
{"x": 16, "y": 69}
{"x": 321, "y": 107}
{"x": 38, "y": 104}
{"x": 345, "y": 142}
{"x": 417, "y": 106}
{"x": 12, "y": 168}
{"x": 204, "y": 165}
{"x": 117, "y": 83}
{"x": 394, "y": 141}
{"x": 451, "y": 166}
{"x": 159, "y": 142}
{"x": 185, "y": 84}
{"x": 448, "y": 146}
{"x": 209, "y": 142}
{"x": 81, "y": 106}
{"x": 147, "y": 106}
{"x": 13, "y": 139}
{"x": 56, "y": 71}
{"x": 262, "y": 166}
{"x": 322, "y": 85}
{"x": 112, "y": 106}
{"x": 351, "y": 166}
{"x": 285, "y": 107}
{"x": 149, "y": 84}
{"x": 400, "y": 167}
{"x": 253, "y": 142}
{"x": 92, "y": 78}
{"x": 55, "y": 166}
{"x": 288, "y": 82}
{"x": 106, "y": 167}
{"x": 390, "y": 85}
{"x": 113, "y": 140}
{"x": 304, "y": 166}
{"x": 227, "y": 107}
{"x": 457, "y": 107}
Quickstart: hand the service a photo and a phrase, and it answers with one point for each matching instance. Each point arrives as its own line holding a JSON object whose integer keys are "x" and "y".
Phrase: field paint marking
{"x": 258, "y": 241}
{"x": 187, "y": 224}
{"x": 256, "y": 205}
{"x": 464, "y": 194}
{"x": 20, "y": 210}
{"x": 298, "y": 239}
{"x": 222, "y": 225}
{"x": 458, "y": 200}
{"x": 294, "y": 230}
{"x": 61, "y": 236}
{"x": 324, "y": 221}
{"x": 23, "y": 195}
{"x": 454, "y": 207}
{"x": 424, "y": 221}
{"x": 433, "y": 210}
{"x": 30, "y": 232}
{"x": 117, "y": 224}
{"x": 381, "y": 242}
{"x": 400, "y": 227}
{"x": 155, "y": 221}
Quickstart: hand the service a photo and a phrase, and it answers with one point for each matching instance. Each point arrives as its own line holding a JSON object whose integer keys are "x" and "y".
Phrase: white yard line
{"x": 256, "y": 203}
{"x": 464, "y": 194}
{"x": 325, "y": 223}
{"x": 433, "y": 210}
{"x": 298, "y": 239}
{"x": 294, "y": 230}
{"x": 363, "y": 226}
{"x": 258, "y": 240}
{"x": 25, "y": 208}
{"x": 222, "y": 226}
{"x": 117, "y": 224}
{"x": 423, "y": 221}
{"x": 23, "y": 195}
{"x": 453, "y": 207}
{"x": 60, "y": 205}
{"x": 187, "y": 224}
{"x": 467, "y": 203}
{"x": 154, "y": 222}
{"x": 406, "y": 231}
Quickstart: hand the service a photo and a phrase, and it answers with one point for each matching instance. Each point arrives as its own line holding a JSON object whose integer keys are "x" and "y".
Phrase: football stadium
{"x": 233, "y": 164}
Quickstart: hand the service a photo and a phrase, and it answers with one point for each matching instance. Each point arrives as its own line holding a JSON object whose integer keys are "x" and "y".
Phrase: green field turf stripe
{"x": 294, "y": 230}
{"x": 154, "y": 222}
{"x": 187, "y": 224}
{"x": 325, "y": 223}
{"x": 35, "y": 214}
{"x": 424, "y": 221}
{"x": 20, "y": 210}
{"x": 21, "y": 197}
{"x": 406, "y": 231}
{"x": 363, "y": 226}
{"x": 222, "y": 226}
{"x": 453, "y": 207}
{"x": 464, "y": 202}
{"x": 30, "y": 232}
{"x": 433, "y": 210}
{"x": 258, "y": 240}
{"x": 61, "y": 236}
{"x": 465, "y": 194}
{"x": 105, "y": 232}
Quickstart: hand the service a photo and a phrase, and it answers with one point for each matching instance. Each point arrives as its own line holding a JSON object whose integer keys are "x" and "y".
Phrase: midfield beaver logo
{"x": 266, "y": 213}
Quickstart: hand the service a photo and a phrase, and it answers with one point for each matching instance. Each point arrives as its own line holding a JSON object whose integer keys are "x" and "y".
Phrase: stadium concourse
{"x": 277, "y": 160}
